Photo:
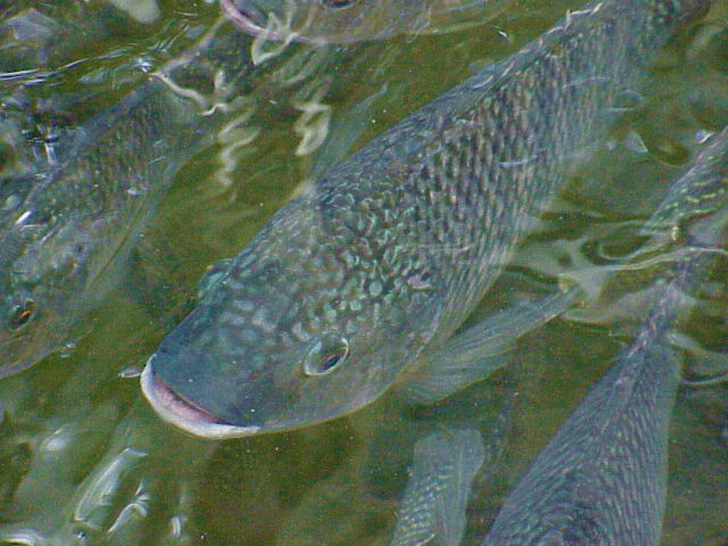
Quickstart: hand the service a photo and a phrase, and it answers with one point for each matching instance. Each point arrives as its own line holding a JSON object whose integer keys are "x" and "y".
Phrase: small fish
{"x": 336, "y": 21}
{"x": 433, "y": 510}
{"x": 66, "y": 230}
{"x": 602, "y": 479}
{"x": 384, "y": 256}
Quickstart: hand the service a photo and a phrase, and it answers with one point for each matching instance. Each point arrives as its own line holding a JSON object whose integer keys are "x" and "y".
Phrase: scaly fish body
{"x": 388, "y": 253}
{"x": 602, "y": 479}
{"x": 65, "y": 231}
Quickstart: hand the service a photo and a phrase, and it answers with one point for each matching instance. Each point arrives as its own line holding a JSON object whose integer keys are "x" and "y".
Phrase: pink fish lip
{"x": 179, "y": 404}
{"x": 185, "y": 414}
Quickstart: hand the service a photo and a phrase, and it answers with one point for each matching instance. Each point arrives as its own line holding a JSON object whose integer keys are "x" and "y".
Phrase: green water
{"x": 338, "y": 483}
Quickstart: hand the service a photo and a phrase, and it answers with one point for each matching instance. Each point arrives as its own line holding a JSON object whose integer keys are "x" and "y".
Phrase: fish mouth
{"x": 184, "y": 414}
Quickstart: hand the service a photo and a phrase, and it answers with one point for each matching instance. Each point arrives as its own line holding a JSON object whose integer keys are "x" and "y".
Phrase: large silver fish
{"x": 602, "y": 479}
{"x": 386, "y": 255}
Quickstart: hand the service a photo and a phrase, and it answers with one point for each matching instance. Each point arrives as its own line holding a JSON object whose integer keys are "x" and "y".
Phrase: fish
{"x": 67, "y": 229}
{"x": 383, "y": 257}
{"x": 351, "y": 20}
{"x": 602, "y": 478}
{"x": 433, "y": 510}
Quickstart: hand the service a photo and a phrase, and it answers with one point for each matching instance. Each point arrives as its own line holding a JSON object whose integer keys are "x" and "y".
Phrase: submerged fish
{"x": 66, "y": 230}
{"x": 386, "y": 255}
{"x": 433, "y": 510}
{"x": 354, "y": 20}
{"x": 602, "y": 478}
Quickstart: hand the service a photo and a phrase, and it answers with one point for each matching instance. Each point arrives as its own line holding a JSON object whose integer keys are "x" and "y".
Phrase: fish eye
{"x": 22, "y": 314}
{"x": 337, "y": 4}
{"x": 325, "y": 356}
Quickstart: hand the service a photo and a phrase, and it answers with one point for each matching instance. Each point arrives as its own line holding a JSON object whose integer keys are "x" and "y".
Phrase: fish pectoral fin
{"x": 475, "y": 353}
{"x": 436, "y": 379}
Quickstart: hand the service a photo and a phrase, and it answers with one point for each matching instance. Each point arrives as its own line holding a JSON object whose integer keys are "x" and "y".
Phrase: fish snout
{"x": 180, "y": 408}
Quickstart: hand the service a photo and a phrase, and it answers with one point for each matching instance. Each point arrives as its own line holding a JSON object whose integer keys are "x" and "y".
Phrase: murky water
{"x": 70, "y": 418}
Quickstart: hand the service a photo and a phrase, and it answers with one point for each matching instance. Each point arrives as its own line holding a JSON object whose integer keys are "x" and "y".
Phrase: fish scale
{"x": 527, "y": 117}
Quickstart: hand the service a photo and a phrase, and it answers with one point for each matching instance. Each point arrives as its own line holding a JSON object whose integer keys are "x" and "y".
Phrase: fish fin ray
{"x": 475, "y": 353}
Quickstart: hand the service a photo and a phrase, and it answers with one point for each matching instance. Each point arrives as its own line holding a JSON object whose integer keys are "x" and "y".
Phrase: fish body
{"x": 75, "y": 221}
{"x": 445, "y": 463}
{"x": 66, "y": 229}
{"x": 602, "y": 478}
{"x": 387, "y": 253}
{"x": 336, "y": 22}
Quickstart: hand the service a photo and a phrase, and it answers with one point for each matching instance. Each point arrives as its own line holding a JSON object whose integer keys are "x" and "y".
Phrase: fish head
{"x": 44, "y": 281}
{"x": 328, "y": 21}
{"x": 302, "y": 327}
